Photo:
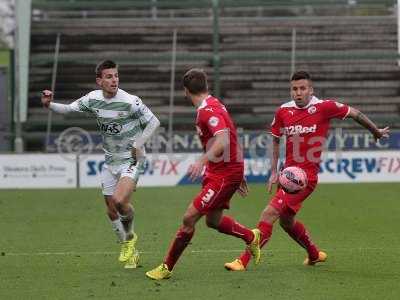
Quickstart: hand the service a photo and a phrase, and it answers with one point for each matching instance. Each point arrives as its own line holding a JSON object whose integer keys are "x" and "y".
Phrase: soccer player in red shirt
{"x": 223, "y": 162}
{"x": 304, "y": 122}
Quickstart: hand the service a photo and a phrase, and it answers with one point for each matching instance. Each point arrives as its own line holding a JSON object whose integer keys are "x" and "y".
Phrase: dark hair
{"x": 195, "y": 80}
{"x": 299, "y": 75}
{"x": 103, "y": 65}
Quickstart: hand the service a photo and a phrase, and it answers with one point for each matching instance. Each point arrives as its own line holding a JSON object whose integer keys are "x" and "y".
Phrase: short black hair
{"x": 195, "y": 80}
{"x": 299, "y": 75}
{"x": 103, "y": 65}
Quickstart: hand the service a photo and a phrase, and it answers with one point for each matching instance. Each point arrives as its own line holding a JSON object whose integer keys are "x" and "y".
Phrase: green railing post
{"x": 216, "y": 55}
{"x": 11, "y": 85}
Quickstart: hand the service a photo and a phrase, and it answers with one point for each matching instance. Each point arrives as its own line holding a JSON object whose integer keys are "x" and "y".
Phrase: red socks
{"x": 227, "y": 225}
{"x": 179, "y": 244}
{"x": 266, "y": 231}
{"x": 231, "y": 227}
{"x": 299, "y": 233}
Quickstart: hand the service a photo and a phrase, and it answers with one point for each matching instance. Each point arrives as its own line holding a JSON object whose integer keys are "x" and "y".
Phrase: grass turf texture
{"x": 58, "y": 244}
{"x": 4, "y": 57}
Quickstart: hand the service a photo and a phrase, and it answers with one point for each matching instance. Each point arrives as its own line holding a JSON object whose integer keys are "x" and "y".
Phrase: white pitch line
{"x": 72, "y": 253}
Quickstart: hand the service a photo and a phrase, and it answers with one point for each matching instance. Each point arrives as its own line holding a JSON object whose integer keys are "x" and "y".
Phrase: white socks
{"x": 119, "y": 229}
{"x": 127, "y": 223}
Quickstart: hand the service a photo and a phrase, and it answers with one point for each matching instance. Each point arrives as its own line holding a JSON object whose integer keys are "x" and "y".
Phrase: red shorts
{"x": 216, "y": 193}
{"x": 290, "y": 204}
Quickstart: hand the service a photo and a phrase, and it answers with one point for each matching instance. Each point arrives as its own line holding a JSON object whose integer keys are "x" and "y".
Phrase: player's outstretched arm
{"x": 47, "y": 98}
{"x": 365, "y": 122}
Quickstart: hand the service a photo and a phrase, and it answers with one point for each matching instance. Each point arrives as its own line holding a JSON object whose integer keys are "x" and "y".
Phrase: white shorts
{"x": 111, "y": 174}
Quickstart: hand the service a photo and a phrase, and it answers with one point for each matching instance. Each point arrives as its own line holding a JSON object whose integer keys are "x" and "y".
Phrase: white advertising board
{"x": 341, "y": 167}
{"x": 54, "y": 171}
{"x": 37, "y": 171}
{"x": 360, "y": 166}
{"x": 160, "y": 169}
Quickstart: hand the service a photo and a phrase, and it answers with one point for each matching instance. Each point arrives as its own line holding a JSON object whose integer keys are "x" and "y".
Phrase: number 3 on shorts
{"x": 207, "y": 197}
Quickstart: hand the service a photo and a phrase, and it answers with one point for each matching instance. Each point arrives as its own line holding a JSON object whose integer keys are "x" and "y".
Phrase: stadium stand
{"x": 7, "y": 24}
{"x": 352, "y": 57}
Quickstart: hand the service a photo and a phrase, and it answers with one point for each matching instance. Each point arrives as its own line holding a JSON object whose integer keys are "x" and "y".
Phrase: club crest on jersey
{"x": 213, "y": 121}
{"x": 111, "y": 128}
{"x": 312, "y": 109}
{"x": 299, "y": 129}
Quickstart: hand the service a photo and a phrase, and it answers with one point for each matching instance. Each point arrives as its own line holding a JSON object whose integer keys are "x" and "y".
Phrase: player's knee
{"x": 112, "y": 212}
{"x": 188, "y": 222}
{"x": 187, "y": 227}
{"x": 120, "y": 201}
{"x": 117, "y": 199}
{"x": 270, "y": 215}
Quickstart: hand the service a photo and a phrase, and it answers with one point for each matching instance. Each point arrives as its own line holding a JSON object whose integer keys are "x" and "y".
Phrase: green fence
{"x": 140, "y": 4}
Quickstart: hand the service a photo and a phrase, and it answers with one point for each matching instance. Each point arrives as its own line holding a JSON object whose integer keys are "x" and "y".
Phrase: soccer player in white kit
{"x": 125, "y": 124}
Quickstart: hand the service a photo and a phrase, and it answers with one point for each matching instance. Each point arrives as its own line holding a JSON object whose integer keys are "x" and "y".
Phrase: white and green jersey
{"x": 121, "y": 121}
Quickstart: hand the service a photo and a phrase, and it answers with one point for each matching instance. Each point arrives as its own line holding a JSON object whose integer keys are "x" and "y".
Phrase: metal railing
{"x": 176, "y": 4}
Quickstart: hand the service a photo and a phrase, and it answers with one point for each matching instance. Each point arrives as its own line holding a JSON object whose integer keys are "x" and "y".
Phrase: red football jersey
{"x": 305, "y": 130}
{"x": 212, "y": 118}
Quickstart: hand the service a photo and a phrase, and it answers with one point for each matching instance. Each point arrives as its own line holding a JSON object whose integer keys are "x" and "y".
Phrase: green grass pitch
{"x": 58, "y": 244}
{"x": 4, "y": 57}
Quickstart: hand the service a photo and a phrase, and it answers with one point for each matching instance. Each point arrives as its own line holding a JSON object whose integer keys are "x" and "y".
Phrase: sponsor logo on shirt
{"x": 111, "y": 128}
{"x": 299, "y": 129}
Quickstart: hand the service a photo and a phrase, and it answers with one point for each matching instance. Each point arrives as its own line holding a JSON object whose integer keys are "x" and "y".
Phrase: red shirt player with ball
{"x": 304, "y": 122}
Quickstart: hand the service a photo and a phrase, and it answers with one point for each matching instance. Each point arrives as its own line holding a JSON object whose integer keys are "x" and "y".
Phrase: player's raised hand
{"x": 273, "y": 179}
{"x": 47, "y": 97}
{"x": 381, "y": 133}
{"x": 195, "y": 170}
{"x": 243, "y": 189}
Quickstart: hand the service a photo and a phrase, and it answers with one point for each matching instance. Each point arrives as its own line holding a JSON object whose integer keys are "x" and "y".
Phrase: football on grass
{"x": 292, "y": 179}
